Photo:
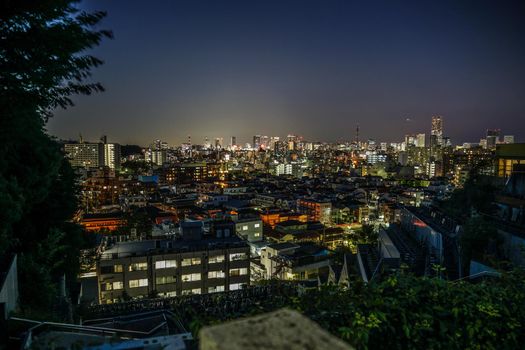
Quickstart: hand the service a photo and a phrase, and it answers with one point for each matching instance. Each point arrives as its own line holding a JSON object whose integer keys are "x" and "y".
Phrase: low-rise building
{"x": 290, "y": 261}
{"x": 317, "y": 210}
{"x": 170, "y": 268}
{"x": 249, "y": 228}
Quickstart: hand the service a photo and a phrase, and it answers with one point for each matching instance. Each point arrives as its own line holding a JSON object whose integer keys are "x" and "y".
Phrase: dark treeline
{"x": 42, "y": 64}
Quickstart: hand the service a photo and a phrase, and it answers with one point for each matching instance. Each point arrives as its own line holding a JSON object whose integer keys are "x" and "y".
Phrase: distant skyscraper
{"x": 112, "y": 156}
{"x": 256, "y": 141}
{"x": 493, "y": 132}
{"x": 273, "y": 142}
{"x": 158, "y": 157}
{"x": 410, "y": 140}
{"x": 85, "y": 155}
{"x": 158, "y": 145}
{"x": 436, "y": 132}
{"x": 483, "y": 143}
{"x": 265, "y": 142}
{"x": 233, "y": 141}
{"x": 492, "y": 138}
{"x": 292, "y": 140}
{"x": 218, "y": 142}
{"x": 94, "y": 155}
{"x": 420, "y": 140}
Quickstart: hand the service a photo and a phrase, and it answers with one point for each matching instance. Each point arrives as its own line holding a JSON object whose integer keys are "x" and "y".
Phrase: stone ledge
{"x": 282, "y": 329}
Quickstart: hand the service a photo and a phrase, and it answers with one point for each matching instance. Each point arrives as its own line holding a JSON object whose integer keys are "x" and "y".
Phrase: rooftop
{"x": 137, "y": 248}
{"x": 283, "y": 246}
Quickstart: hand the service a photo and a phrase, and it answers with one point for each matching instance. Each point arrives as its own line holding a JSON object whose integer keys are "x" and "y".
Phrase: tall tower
{"x": 357, "y": 134}
{"x": 493, "y": 138}
{"x": 436, "y": 132}
{"x": 190, "y": 146}
{"x": 256, "y": 141}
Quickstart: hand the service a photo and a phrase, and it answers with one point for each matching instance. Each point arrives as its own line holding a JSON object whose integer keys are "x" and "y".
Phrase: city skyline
{"x": 317, "y": 70}
{"x": 229, "y": 140}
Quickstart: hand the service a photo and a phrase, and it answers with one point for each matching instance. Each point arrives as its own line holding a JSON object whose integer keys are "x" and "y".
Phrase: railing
{"x": 213, "y": 303}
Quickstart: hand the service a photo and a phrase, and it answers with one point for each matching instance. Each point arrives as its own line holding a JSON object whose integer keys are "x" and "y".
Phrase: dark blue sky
{"x": 314, "y": 68}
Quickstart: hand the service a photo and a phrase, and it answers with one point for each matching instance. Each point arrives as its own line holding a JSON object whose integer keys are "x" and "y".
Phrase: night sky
{"x": 313, "y": 68}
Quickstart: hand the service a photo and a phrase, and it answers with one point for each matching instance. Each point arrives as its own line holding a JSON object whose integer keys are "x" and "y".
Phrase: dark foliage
{"x": 407, "y": 312}
{"x": 42, "y": 64}
{"x": 477, "y": 195}
{"x": 136, "y": 219}
{"x": 128, "y": 150}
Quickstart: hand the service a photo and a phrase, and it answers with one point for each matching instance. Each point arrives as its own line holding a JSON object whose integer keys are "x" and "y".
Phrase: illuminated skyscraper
{"x": 218, "y": 142}
{"x": 265, "y": 142}
{"x": 112, "y": 155}
{"x": 273, "y": 142}
{"x": 420, "y": 140}
{"x": 256, "y": 141}
{"x": 492, "y": 138}
{"x": 158, "y": 157}
{"x": 233, "y": 141}
{"x": 292, "y": 140}
{"x": 409, "y": 140}
{"x": 86, "y": 155}
{"x": 436, "y": 132}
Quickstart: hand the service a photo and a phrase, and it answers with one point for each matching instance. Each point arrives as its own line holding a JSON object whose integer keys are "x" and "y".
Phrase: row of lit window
{"x": 191, "y": 277}
{"x": 165, "y": 264}
{"x": 245, "y": 227}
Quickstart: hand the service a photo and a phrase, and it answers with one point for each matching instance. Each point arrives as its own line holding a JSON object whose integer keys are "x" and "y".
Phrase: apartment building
{"x": 171, "y": 268}
{"x": 317, "y": 210}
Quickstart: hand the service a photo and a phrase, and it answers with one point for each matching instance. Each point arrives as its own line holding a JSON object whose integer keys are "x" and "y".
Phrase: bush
{"x": 407, "y": 312}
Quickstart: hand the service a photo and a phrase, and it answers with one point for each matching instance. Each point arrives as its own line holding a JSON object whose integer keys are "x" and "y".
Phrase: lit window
{"x": 142, "y": 266}
{"x": 191, "y": 261}
{"x": 165, "y": 279}
{"x": 165, "y": 264}
{"x": 238, "y": 256}
{"x": 235, "y": 286}
{"x": 191, "y": 277}
{"x": 238, "y": 272}
{"x": 215, "y": 289}
{"x": 117, "y": 268}
{"x": 245, "y": 228}
{"x": 118, "y": 285}
{"x": 191, "y": 291}
{"x": 257, "y": 225}
{"x": 143, "y": 282}
{"x": 216, "y": 274}
{"x": 216, "y": 259}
